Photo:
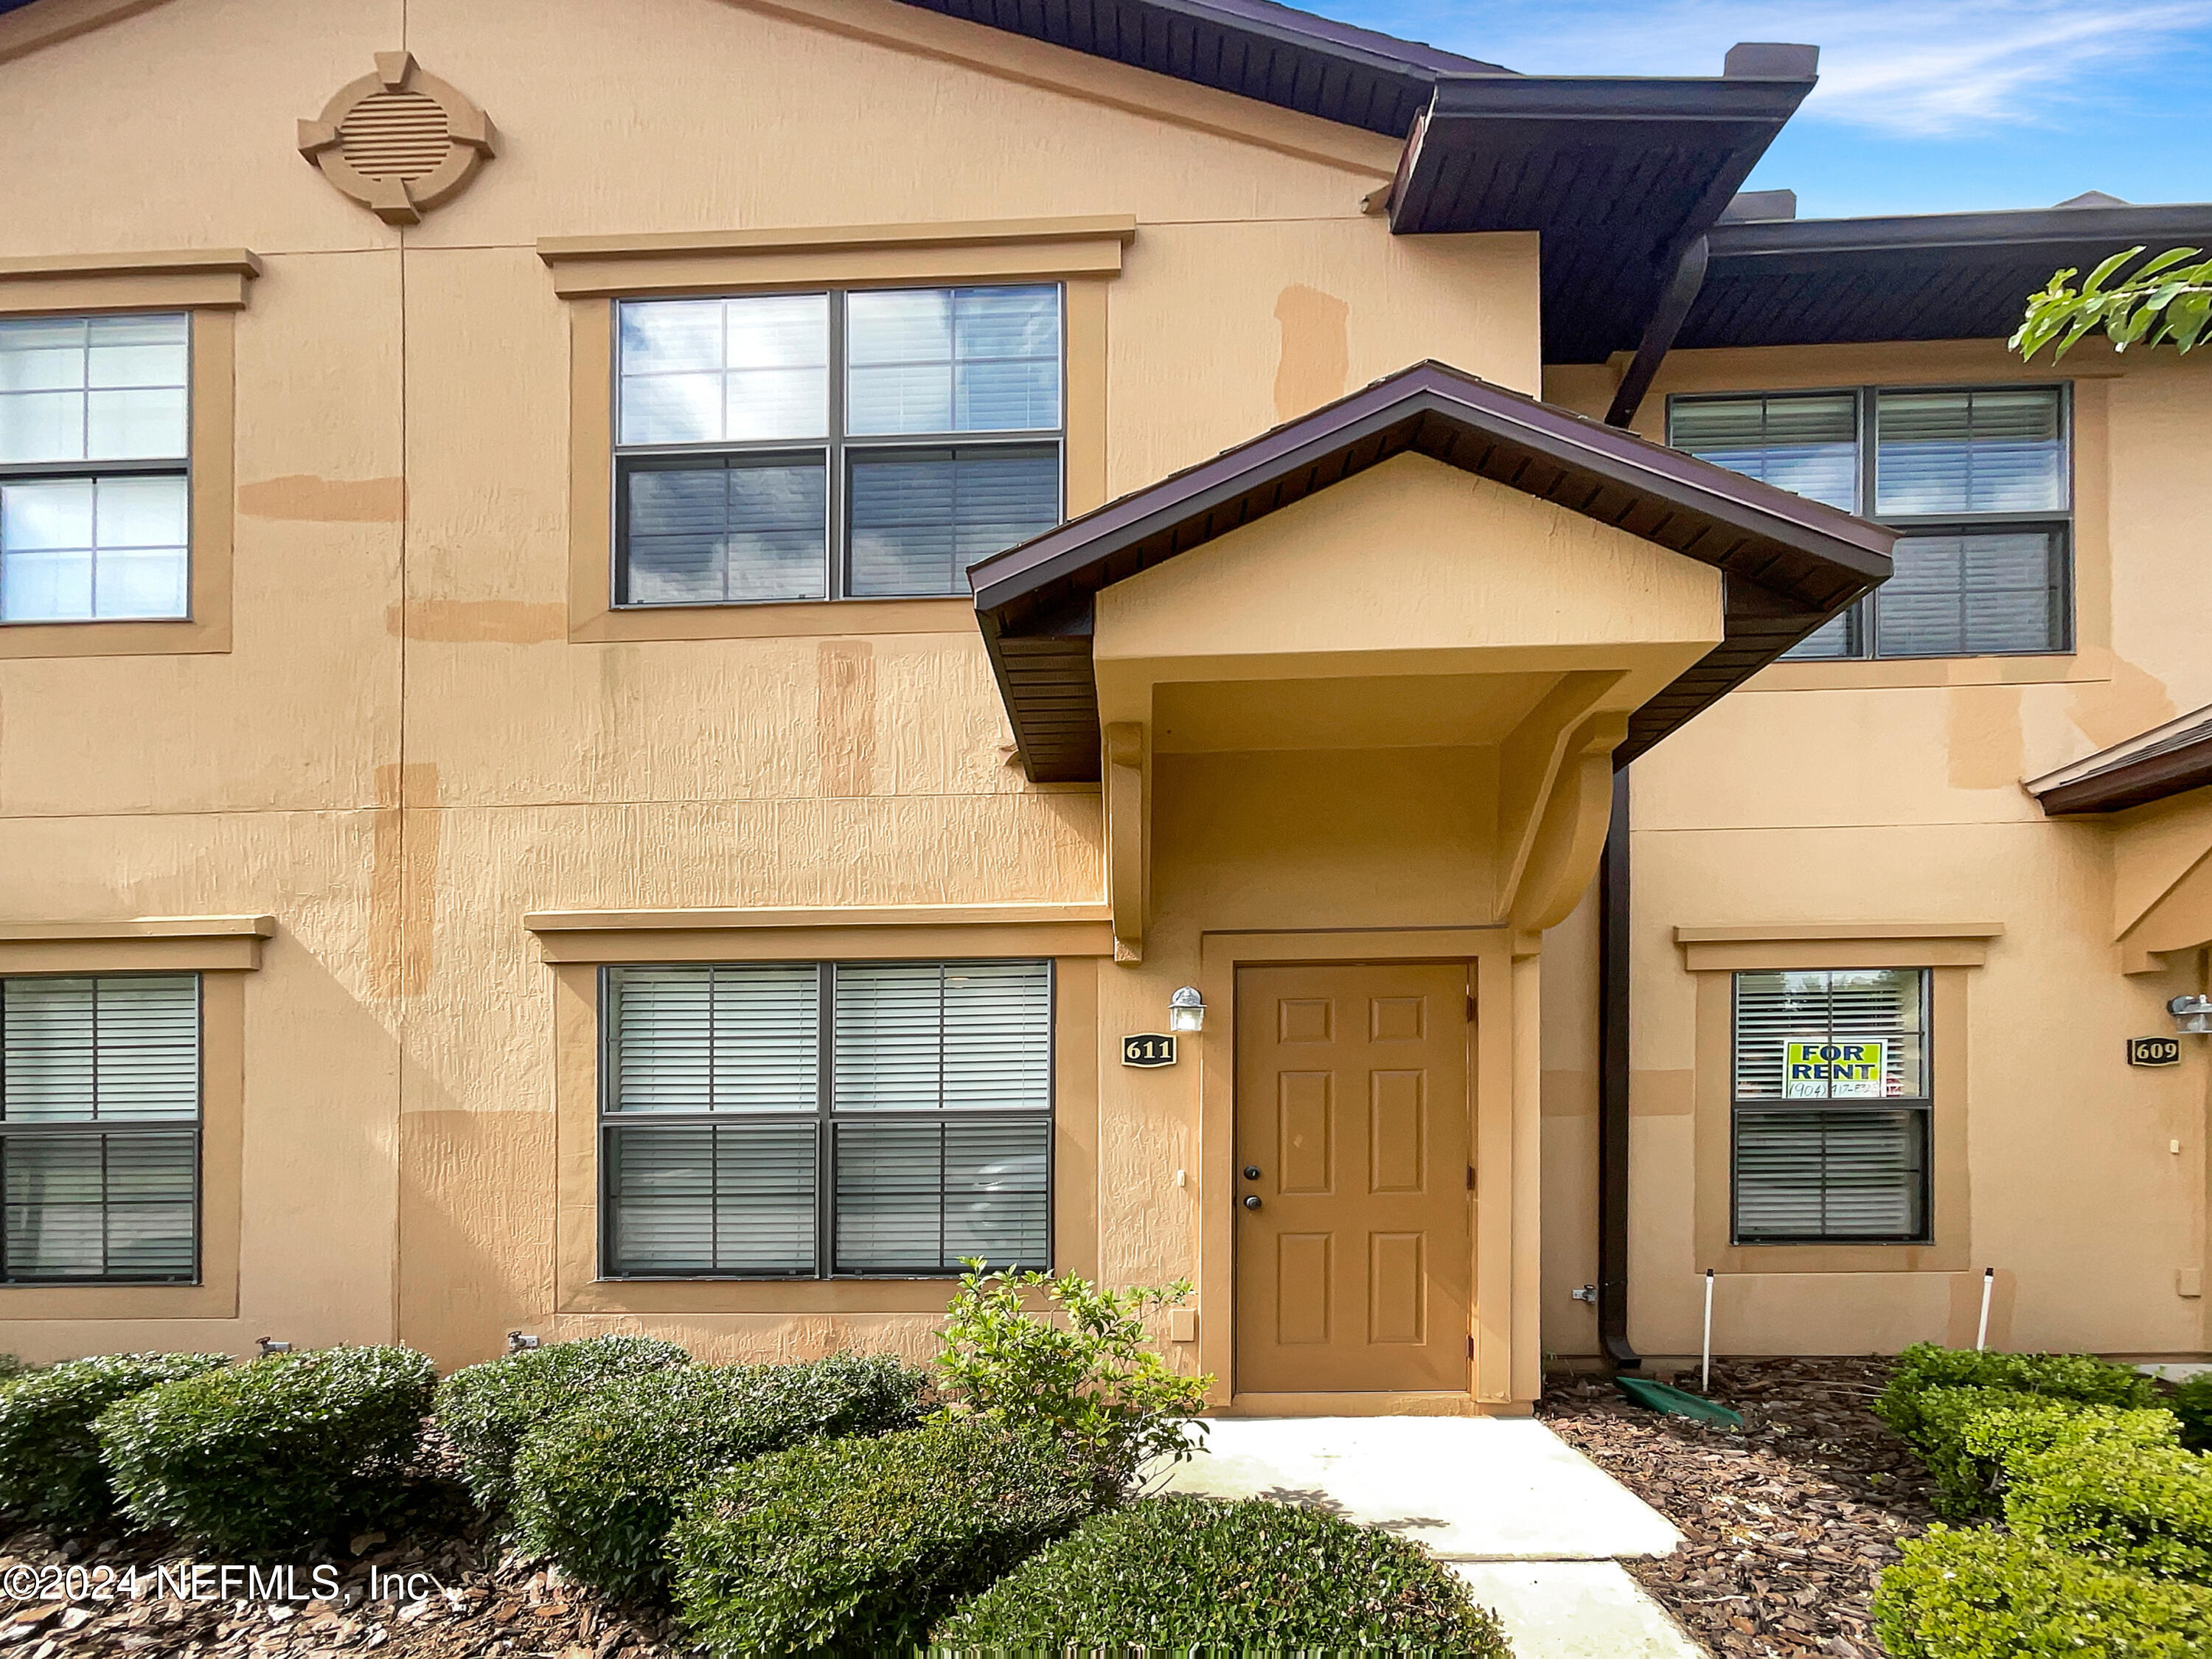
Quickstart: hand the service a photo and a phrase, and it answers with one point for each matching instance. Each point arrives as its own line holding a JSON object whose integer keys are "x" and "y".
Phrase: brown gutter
{"x": 2180, "y": 763}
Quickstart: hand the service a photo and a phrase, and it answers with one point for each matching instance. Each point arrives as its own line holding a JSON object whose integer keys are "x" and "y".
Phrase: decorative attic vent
{"x": 399, "y": 142}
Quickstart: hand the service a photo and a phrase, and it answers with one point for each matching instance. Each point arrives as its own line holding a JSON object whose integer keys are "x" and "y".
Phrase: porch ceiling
{"x": 1790, "y": 563}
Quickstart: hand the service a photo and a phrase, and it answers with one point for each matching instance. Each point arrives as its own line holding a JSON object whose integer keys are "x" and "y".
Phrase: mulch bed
{"x": 482, "y": 1604}
{"x": 1790, "y": 1520}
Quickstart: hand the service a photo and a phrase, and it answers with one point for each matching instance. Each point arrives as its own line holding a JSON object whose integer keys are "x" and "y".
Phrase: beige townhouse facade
{"x": 649, "y": 651}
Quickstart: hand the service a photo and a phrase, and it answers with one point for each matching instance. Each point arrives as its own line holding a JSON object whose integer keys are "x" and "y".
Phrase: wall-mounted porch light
{"x": 2192, "y": 1016}
{"x": 1187, "y": 1010}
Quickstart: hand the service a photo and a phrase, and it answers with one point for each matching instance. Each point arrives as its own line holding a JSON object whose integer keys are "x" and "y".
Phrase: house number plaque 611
{"x": 1148, "y": 1048}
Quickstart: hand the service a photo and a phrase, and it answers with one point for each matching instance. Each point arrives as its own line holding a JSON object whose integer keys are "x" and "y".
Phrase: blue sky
{"x": 1924, "y": 105}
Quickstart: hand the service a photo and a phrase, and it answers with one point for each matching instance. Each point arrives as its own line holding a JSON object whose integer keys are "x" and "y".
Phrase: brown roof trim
{"x": 1791, "y": 563}
{"x": 2172, "y": 765}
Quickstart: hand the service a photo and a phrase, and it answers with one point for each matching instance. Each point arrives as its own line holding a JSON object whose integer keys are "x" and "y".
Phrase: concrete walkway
{"x": 1536, "y": 1528}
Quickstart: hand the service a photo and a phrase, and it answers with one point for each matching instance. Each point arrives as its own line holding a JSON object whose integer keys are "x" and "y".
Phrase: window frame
{"x": 51, "y": 1128}
{"x": 143, "y": 467}
{"x": 1862, "y": 620}
{"x": 836, "y": 447}
{"x": 826, "y": 1117}
{"x": 1921, "y": 1105}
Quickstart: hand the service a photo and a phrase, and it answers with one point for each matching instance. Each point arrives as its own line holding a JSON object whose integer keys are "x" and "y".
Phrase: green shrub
{"x": 596, "y": 1489}
{"x": 860, "y": 1545}
{"x": 485, "y": 1410}
{"x": 2191, "y": 1401}
{"x": 280, "y": 1452}
{"x": 1092, "y": 1382}
{"x": 1980, "y": 1595}
{"x": 1924, "y": 1368}
{"x": 1183, "y": 1574}
{"x": 2140, "y": 1508}
{"x": 50, "y": 1468}
{"x": 1967, "y": 1437}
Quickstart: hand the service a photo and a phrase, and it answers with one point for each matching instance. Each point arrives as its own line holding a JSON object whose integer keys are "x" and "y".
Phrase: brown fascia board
{"x": 1791, "y": 244}
{"x": 1791, "y": 563}
{"x": 2173, "y": 768}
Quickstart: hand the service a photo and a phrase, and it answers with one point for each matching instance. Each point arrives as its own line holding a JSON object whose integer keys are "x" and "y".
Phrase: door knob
{"x": 1251, "y": 1172}
{"x": 1251, "y": 1201}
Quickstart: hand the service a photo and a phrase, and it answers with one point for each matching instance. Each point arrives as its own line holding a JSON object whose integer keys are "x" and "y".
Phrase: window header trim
{"x": 608, "y": 267}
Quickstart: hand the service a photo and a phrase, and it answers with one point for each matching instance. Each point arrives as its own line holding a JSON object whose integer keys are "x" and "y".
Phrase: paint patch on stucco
{"x": 845, "y": 716}
{"x": 1981, "y": 737}
{"x": 2111, "y": 711}
{"x": 1570, "y": 1094}
{"x": 1662, "y": 1094}
{"x": 402, "y": 909}
{"x": 303, "y": 498}
{"x": 477, "y": 622}
{"x": 1314, "y": 358}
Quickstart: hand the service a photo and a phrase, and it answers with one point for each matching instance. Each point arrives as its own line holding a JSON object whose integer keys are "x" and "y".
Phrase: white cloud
{"x": 1906, "y": 66}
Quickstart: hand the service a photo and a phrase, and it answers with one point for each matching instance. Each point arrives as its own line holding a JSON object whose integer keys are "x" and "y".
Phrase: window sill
{"x": 141, "y": 637}
{"x": 113, "y": 1301}
{"x": 1936, "y": 1258}
{"x": 1860, "y": 674}
{"x": 787, "y": 620}
{"x": 786, "y": 1298}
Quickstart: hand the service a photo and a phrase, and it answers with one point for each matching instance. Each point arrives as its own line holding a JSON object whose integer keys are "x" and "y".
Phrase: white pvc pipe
{"x": 1981, "y": 1331}
{"x": 1705, "y": 1364}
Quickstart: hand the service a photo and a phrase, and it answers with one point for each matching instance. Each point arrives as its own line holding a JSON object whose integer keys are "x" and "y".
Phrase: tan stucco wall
{"x": 404, "y": 753}
{"x": 1891, "y": 793}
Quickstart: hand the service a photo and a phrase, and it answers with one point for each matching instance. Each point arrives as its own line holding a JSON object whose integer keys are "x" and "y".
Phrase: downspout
{"x": 1614, "y": 981}
{"x": 1613, "y": 1027}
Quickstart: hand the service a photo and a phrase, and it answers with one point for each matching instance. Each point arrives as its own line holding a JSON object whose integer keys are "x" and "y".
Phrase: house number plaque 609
{"x": 1148, "y": 1048}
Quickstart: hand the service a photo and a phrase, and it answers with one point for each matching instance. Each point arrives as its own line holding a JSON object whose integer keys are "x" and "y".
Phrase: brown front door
{"x": 1355, "y": 1270}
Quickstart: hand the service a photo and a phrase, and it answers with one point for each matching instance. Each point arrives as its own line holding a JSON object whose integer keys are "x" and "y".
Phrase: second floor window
{"x": 1976, "y": 478}
{"x": 863, "y": 445}
{"x": 94, "y": 468}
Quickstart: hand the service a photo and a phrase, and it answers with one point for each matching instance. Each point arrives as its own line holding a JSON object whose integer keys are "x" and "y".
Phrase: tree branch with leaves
{"x": 2163, "y": 302}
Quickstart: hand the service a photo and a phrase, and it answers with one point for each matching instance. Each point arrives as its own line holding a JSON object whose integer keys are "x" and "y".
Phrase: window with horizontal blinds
{"x": 94, "y": 463}
{"x": 1831, "y": 1102}
{"x": 1978, "y": 479}
{"x": 804, "y": 1120}
{"x": 790, "y": 446}
{"x": 99, "y": 1107}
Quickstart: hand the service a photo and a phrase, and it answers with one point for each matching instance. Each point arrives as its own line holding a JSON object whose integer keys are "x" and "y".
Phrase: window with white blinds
{"x": 99, "y": 1114}
{"x": 1831, "y": 1109}
{"x": 1978, "y": 479}
{"x": 822, "y": 1120}
{"x": 782, "y": 446}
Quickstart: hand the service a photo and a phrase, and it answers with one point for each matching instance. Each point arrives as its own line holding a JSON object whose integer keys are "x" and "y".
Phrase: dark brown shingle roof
{"x": 1791, "y": 563}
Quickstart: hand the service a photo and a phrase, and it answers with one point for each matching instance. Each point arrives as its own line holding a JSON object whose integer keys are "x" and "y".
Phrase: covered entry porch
{"x": 1354, "y": 693}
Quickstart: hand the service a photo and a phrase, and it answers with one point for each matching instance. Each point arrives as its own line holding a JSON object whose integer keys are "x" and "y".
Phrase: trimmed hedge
{"x": 281, "y": 1452}
{"x": 1982, "y": 1596}
{"x": 2140, "y": 1508}
{"x": 50, "y": 1469}
{"x": 860, "y": 1545}
{"x": 485, "y": 1410}
{"x": 2191, "y": 1401}
{"x": 1925, "y": 1368}
{"x": 598, "y": 1488}
{"x": 1184, "y": 1574}
{"x": 1968, "y": 1438}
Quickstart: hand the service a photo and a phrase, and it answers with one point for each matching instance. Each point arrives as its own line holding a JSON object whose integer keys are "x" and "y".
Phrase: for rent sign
{"x": 1834, "y": 1071}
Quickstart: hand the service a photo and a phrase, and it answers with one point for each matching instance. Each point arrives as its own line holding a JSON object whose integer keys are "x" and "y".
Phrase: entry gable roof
{"x": 1791, "y": 563}
{"x": 2168, "y": 760}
